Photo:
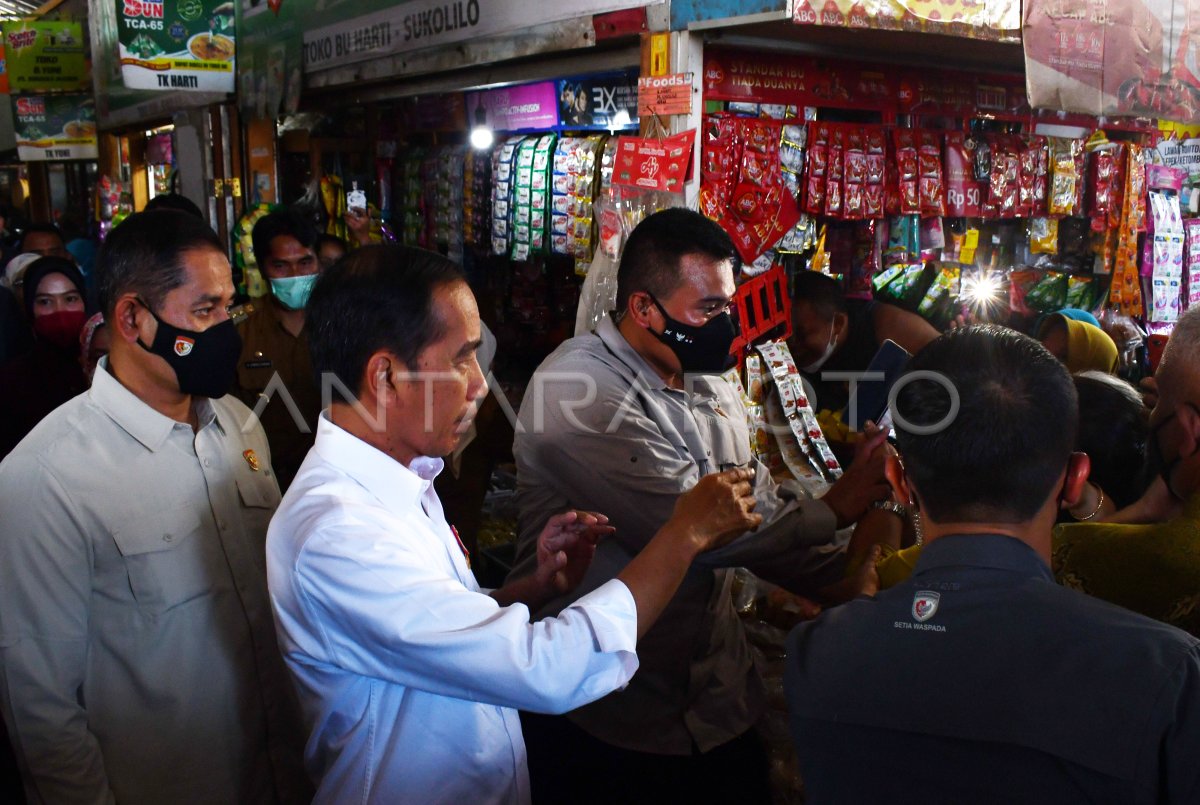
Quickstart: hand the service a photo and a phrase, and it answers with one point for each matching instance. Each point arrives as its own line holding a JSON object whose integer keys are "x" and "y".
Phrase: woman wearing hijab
{"x": 48, "y": 374}
{"x": 1075, "y": 338}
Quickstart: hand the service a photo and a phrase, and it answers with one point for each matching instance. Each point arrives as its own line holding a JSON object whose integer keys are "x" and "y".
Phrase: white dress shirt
{"x": 138, "y": 662}
{"x": 408, "y": 672}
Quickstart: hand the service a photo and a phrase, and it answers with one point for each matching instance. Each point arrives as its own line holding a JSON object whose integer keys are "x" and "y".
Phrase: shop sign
{"x": 752, "y": 77}
{"x": 45, "y": 55}
{"x": 654, "y": 164}
{"x": 975, "y": 19}
{"x": 398, "y": 27}
{"x": 4, "y": 89}
{"x": 1114, "y": 57}
{"x": 1183, "y": 155}
{"x": 665, "y": 94}
{"x": 54, "y": 127}
{"x": 518, "y": 108}
{"x": 592, "y": 102}
{"x": 184, "y": 45}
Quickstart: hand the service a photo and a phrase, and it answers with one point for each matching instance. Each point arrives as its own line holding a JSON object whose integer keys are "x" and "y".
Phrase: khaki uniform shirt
{"x": 600, "y": 431}
{"x": 275, "y": 374}
{"x": 138, "y": 660}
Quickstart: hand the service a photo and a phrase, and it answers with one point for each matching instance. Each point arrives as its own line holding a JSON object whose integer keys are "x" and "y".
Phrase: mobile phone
{"x": 356, "y": 199}
{"x": 869, "y": 400}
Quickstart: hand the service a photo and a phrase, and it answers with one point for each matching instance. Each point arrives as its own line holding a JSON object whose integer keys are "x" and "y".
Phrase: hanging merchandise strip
{"x": 503, "y": 172}
{"x": 1126, "y": 291}
{"x": 796, "y": 407}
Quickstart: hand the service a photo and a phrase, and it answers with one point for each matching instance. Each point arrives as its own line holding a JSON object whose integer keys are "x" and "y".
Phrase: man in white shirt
{"x": 137, "y": 656}
{"x": 410, "y": 674}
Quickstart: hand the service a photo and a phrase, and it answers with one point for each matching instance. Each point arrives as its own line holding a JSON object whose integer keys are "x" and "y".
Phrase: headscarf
{"x": 38, "y": 270}
{"x": 1089, "y": 349}
{"x": 89, "y": 330}
{"x": 1076, "y": 314}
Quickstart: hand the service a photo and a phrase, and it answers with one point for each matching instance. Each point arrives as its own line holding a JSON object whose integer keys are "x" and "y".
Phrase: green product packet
{"x": 1049, "y": 293}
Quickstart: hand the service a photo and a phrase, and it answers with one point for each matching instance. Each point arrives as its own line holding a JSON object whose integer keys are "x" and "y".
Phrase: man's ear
{"x": 379, "y": 376}
{"x": 841, "y": 323}
{"x": 640, "y": 308}
{"x": 1079, "y": 467}
{"x": 125, "y": 317}
{"x": 1189, "y": 420}
{"x": 893, "y": 470}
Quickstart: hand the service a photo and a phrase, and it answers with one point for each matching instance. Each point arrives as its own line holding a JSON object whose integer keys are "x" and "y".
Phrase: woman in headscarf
{"x": 47, "y": 375}
{"x": 1075, "y": 338}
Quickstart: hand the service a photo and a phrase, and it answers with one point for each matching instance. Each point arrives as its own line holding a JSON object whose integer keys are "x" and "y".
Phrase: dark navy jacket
{"x": 980, "y": 680}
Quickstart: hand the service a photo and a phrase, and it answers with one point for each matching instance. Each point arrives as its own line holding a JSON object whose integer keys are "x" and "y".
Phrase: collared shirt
{"x": 408, "y": 672}
{"x": 275, "y": 371}
{"x": 136, "y": 644}
{"x": 1153, "y": 569}
{"x": 600, "y": 431}
{"x": 981, "y": 680}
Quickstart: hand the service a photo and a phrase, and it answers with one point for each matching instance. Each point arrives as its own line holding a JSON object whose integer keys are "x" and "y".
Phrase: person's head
{"x": 675, "y": 284}
{"x": 820, "y": 322}
{"x": 398, "y": 327}
{"x": 94, "y": 343}
{"x": 54, "y": 300}
{"x": 1082, "y": 347}
{"x": 174, "y": 201}
{"x": 165, "y": 287}
{"x": 14, "y": 273}
{"x": 1114, "y": 425}
{"x": 989, "y": 440}
{"x": 1175, "y": 421}
{"x": 330, "y": 249}
{"x": 45, "y": 240}
{"x": 285, "y": 250}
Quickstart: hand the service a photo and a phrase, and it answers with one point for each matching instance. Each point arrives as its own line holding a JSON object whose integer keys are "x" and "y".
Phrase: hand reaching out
{"x": 718, "y": 508}
{"x": 565, "y": 549}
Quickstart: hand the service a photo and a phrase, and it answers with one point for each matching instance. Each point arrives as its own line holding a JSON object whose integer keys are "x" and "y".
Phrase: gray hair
{"x": 1181, "y": 358}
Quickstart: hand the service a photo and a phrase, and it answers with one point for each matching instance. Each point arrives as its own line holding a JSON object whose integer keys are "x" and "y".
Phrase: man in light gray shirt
{"x": 137, "y": 651}
{"x": 622, "y": 421}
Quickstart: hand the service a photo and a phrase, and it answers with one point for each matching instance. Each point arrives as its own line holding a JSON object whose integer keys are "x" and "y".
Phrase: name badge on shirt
{"x": 264, "y": 363}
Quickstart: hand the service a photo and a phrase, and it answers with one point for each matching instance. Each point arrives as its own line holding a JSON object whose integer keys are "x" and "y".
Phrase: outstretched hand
{"x": 718, "y": 508}
{"x": 864, "y": 482}
{"x": 565, "y": 549}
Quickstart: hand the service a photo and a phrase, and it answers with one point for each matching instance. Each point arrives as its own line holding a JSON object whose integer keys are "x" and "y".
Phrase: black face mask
{"x": 701, "y": 350}
{"x": 205, "y": 363}
{"x": 1158, "y": 464}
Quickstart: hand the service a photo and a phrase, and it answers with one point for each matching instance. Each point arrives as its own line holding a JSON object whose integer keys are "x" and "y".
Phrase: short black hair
{"x": 45, "y": 229}
{"x": 37, "y": 271}
{"x": 376, "y": 297}
{"x": 998, "y": 459}
{"x": 822, "y": 292}
{"x": 325, "y": 239}
{"x": 1114, "y": 427}
{"x": 144, "y": 255}
{"x": 650, "y": 262}
{"x": 288, "y": 222}
{"x": 174, "y": 201}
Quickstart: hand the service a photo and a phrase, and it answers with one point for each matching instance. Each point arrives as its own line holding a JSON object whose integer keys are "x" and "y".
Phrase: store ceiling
{"x": 17, "y": 9}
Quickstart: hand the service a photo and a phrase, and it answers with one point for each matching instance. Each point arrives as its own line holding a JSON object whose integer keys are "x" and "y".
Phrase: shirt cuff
{"x": 613, "y": 614}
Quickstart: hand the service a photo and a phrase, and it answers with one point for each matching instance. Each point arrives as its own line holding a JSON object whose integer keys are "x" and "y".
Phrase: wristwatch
{"x": 891, "y": 506}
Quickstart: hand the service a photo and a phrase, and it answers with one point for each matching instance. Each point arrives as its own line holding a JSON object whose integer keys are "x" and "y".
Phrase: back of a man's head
{"x": 1178, "y": 373}
{"x": 144, "y": 255}
{"x": 987, "y": 440}
{"x": 650, "y": 261}
{"x": 174, "y": 201}
{"x": 822, "y": 292}
{"x": 377, "y": 297}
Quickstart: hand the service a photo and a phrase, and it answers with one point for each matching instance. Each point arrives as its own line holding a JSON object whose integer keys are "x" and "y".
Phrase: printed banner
{"x": 1114, "y": 57}
{"x": 974, "y": 19}
{"x": 177, "y": 44}
{"x": 412, "y": 24}
{"x": 44, "y": 55}
{"x": 665, "y": 94}
{"x": 54, "y": 127}
{"x": 527, "y": 106}
{"x": 593, "y": 102}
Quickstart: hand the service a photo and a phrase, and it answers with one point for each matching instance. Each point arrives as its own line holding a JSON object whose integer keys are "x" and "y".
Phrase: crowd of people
{"x": 230, "y": 577}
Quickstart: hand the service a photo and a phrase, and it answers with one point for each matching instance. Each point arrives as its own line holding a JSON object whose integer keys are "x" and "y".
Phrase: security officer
{"x": 980, "y": 679}
{"x": 275, "y": 377}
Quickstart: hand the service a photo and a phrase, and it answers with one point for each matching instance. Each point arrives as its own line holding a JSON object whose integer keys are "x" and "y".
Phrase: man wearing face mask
{"x": 1144, "y": 557}
{"x": 624, "y": 420}
{"x": 138, "y": 660}
{"x": 833, "y": 334}
{"x": 274, "y": 373}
